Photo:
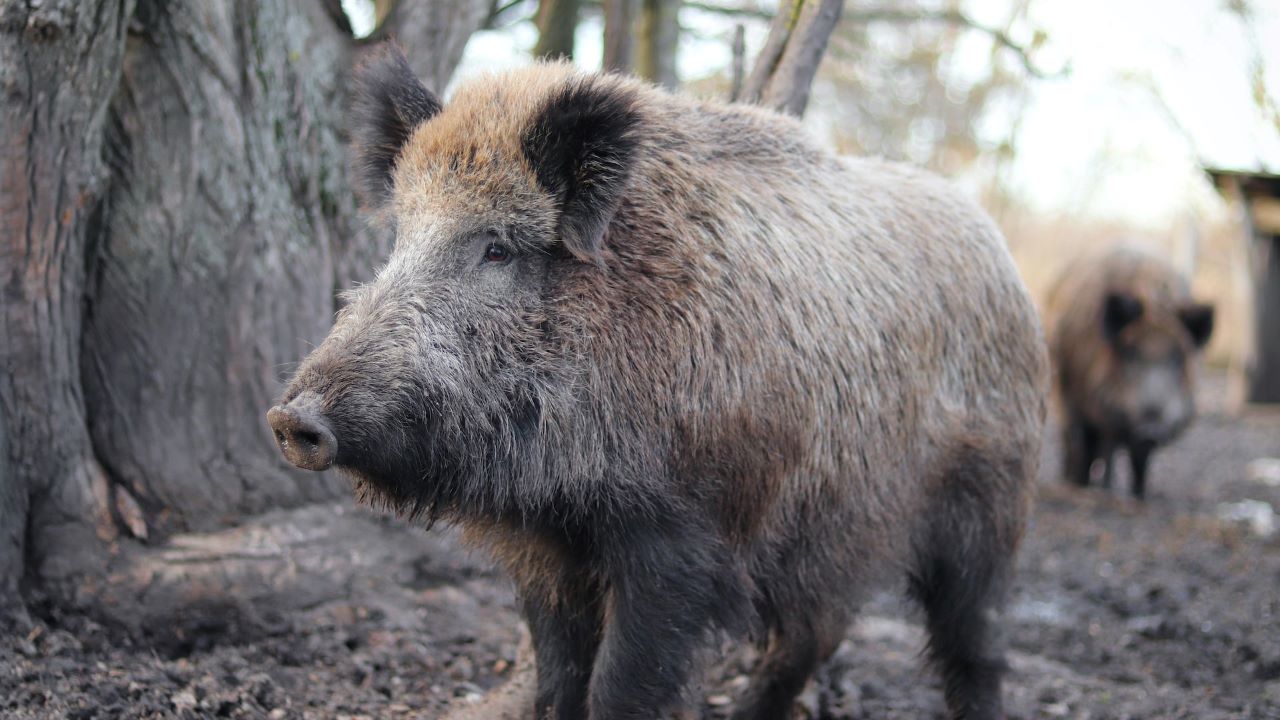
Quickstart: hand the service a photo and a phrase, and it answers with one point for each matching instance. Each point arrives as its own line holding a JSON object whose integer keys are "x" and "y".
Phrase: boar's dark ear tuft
{"x": 1197, "y": 318}
{"x": 581, "y": 145}
{"x": 389, "y": 103}
{"x": 1119, "y": 310}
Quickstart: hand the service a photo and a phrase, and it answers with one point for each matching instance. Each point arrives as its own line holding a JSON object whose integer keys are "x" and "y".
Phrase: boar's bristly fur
{"x": 1125, "y": 339}
{"x": 389, "y": 103}
{"x": 580, "y": 145}
{"x": 683, "y": 373}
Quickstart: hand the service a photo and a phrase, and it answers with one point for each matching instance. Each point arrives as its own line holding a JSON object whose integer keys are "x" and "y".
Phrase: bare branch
{"x": 739, "y": 61}
{"x": 784, "y": 72}
{"x": 956, "y": 17}
{"x": 899, "y": 15}
{"x": 500, "y": 11}
{"x": 731, "y": 11}
{"x": 771, "y": 53}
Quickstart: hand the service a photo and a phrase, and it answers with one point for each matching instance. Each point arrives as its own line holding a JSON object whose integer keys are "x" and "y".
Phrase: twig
{"x": 739, "y": 61}
{"x": 957, "y": 17}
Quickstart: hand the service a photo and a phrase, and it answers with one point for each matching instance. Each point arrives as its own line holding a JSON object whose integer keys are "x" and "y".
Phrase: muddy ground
{"x": 1121, "y": 610}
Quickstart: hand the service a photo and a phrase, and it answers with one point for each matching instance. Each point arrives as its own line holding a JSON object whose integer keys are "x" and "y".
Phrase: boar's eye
{"x": 496, "y": 253}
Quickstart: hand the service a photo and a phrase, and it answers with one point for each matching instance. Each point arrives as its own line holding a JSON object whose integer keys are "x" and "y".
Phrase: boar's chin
{"x": 373, "y": 491}
{"x": 426, "y": 490}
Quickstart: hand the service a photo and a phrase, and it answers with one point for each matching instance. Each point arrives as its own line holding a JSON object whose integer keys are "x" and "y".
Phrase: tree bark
{"x": 176, "y": 219}
{"x": 659, "y": 33}
{"x": 225, "y": 224}
{"x": 434, "y": 34}
{"x": 59, "y": 67}
{"x": 619, "y": 34}
{"x": 783, "y": 74}
{"x": 557, "y": 20}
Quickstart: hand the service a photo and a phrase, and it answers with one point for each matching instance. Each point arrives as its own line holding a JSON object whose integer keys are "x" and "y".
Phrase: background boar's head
{"x": 1154, "y": 347}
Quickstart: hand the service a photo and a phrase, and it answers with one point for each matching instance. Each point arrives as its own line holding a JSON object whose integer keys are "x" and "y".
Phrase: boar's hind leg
{"x": 795, "y": 650}
{"x": 565, "y": 633}
{"x": 963, "y": 567}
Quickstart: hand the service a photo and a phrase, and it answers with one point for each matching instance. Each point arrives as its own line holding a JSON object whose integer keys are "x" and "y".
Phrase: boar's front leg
{"x": 564, "y": 625}
{"x": 1139, "y": 457}
{"x": 671, "y": 584}
{"x": 561, "y": 602}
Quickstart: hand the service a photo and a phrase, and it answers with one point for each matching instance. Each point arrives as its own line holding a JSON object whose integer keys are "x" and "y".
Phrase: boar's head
{"x": 455, "y": 377}
{"x": 1151, "y": 391}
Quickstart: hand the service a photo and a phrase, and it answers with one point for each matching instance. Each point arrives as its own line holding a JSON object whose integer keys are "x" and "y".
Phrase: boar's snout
{"x": 302, "y": 433}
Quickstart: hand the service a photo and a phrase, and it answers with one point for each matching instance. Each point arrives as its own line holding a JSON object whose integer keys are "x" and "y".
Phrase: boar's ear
{"x": 389, "y": 103}
{"x": 1119, "y": 310}
{"x": 581, "y": 146}
{"x": 1197, "y": 318}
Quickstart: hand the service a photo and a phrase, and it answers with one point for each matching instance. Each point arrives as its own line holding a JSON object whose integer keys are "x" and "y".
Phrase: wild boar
{"x": 683, "y": 373}
{"x": 1125, "y": 338}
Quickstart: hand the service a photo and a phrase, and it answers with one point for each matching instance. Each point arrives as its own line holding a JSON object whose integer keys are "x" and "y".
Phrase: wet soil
{"x": 1162, "y": 609}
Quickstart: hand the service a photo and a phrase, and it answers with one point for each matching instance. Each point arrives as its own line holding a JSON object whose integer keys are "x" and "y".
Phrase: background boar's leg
{"x": 1081, "y": 447}
{"x": 1107, "y": 453}
{"x": 1139, "y": 454}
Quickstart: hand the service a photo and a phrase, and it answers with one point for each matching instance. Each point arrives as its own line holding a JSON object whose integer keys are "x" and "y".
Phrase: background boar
{"x": 682, "y": 372}
{"x": 1125, "y": 338}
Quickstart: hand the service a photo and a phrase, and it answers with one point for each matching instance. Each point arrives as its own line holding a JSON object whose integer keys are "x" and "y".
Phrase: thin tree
{"x": 619, "y": 35}
{"x": 557, "y": 22}
{"x": 659, "y": 37}
{"x": 784, "y": 70}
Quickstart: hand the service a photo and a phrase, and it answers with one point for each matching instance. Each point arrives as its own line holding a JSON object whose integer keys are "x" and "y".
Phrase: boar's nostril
{"x": 303, "y": 436}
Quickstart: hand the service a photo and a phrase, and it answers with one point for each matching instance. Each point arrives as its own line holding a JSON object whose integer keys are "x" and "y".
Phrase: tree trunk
{"x": 434, "y": 34}
{"x": 59, "y": 66}
{"x": 176, "y": 219}
{"x": 619, "y": 30}
{"x": 659, "y": 33}
{"x": 784, "y": 71}
{"x": 557, "y": 20}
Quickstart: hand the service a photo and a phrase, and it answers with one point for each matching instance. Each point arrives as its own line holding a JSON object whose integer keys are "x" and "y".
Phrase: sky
{"x": 1100, "y": 143}
{"x": 1156, "y": 88}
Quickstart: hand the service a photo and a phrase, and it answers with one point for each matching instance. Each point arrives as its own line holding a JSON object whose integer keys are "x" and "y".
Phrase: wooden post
{"x": 1258, "y": 198}
{"x": 1264, "y": 374}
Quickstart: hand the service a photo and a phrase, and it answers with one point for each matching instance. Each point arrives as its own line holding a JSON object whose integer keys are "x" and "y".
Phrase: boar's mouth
{"x": 419, "y": 453}
{"x": 405, "y": 463}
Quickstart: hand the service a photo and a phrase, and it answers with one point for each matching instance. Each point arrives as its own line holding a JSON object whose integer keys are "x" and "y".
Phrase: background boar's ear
{"x": 1198, "y": 319}
{"x": 389, "y": 103}
{"x": 1119, "y": 310}
{"x": 581, "y": 146}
